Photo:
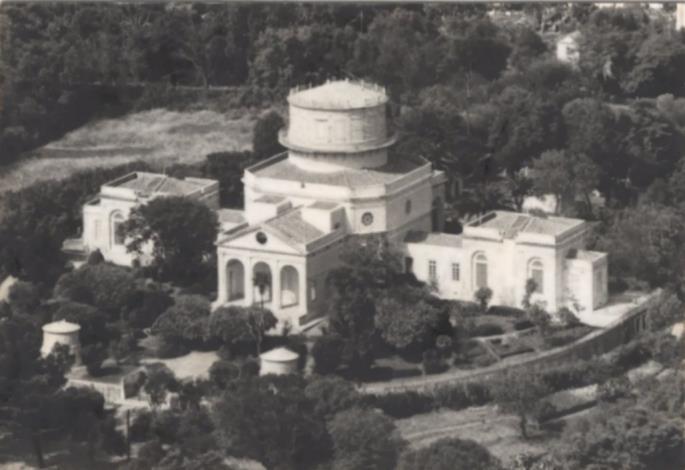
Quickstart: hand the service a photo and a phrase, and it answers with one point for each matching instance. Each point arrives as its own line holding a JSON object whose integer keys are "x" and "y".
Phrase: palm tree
{"x": 262, "y": 280}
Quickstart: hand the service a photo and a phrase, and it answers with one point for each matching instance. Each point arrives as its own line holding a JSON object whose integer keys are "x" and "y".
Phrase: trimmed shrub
{"x": 165, "y": 425}
{"x": 484, "y": 360}
{"x": 327, "y": 352}
{"x": 170, "y": 348}
{"x": 505, "y": 311}
{"x": 477, "y": 393}
{"x": 523, "y": 324}
{"x": 403, "y": 405}
{"x": 140, "y": 427}
{"x": 567, "y": 317}
{"x": 487, "y": 329}
{"x": 449, "y": 396}
{"x": 133, "y": 382}
{"x": 444, "y": 344}
{"x": 632, "y": 354}
{"x": 433, "y": 362}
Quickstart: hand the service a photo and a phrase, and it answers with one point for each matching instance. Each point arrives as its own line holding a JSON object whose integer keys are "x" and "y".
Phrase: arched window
{"x": 480, "y": 271}
{"x": 290, "y": 286}
{"x": 117, "y": 236}
{"x": 536, "y": 273}
{"x": 261, "y": 282}
{"x": 235, "y": 279}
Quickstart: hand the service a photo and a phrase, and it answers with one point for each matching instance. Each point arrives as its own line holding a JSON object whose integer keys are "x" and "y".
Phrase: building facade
{"x": 103, "y": 214}
{"x": 502, "y": 251}
{"x": 339, "y": 181}
{"x": 336, "y": 181}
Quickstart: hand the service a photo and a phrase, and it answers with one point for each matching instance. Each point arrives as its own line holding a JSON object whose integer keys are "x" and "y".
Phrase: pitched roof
{"x": 231, "y": 216}
{"x": 510, "y": 224}
{"x": 294, "y": 228}
{"x": 61, "y": 327}
{"x": 280, "y": 355}
{"x": 154, "y": 183}
{"x": 434, "y": 238}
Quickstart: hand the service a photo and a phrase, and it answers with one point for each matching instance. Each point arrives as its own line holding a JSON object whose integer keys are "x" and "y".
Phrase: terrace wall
{"x": 596, "y": 343}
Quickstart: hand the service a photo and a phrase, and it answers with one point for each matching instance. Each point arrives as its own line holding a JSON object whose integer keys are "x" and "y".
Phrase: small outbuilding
{"x": 61, "y": 332}
{"x": 279, "y": 361}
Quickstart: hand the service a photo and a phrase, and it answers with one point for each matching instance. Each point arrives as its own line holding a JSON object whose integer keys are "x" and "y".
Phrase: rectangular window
{"x": 312, "y": 291}
{"x": 455, "y": 271}
{"x": 408, "y": 264}
{"x": 432, "y": 270}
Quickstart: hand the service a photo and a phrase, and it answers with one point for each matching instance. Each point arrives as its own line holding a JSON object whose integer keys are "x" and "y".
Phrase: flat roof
{"x": 434, "y": 238}
{"x": 284, "y": 169}
{"x": 510, "y": 224}
{"x": 155, "y": 183}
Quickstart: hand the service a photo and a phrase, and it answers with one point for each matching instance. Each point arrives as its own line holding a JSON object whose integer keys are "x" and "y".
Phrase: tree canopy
{"x": 181, "y": 231}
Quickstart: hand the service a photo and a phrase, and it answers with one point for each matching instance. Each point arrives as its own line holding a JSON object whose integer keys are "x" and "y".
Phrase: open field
{"x": 159, "y": 136}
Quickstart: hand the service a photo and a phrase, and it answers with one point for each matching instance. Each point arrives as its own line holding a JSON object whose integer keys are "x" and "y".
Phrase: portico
{"x": 269, "y": 279}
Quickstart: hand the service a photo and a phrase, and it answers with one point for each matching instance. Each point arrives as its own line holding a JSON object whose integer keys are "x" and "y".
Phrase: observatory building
{"x": 338, "y": 179}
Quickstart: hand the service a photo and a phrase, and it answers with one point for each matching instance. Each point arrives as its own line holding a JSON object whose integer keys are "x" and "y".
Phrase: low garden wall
{"x": 596, "y": 343}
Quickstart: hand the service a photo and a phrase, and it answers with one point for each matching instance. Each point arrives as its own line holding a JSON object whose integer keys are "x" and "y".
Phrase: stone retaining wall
{"x": 596, "y": 343}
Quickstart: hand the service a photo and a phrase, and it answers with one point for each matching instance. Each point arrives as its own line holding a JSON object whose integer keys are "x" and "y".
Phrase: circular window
{"x": 367, "y": 218}
{"x": 407, "y": 206}
{"x": 261, "y": 237}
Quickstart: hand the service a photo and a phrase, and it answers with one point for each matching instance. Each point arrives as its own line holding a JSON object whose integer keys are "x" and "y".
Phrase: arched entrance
{"x": 262, "y": 282}
{"x": 290, "y": 286}
{"x": 235, "y": 279}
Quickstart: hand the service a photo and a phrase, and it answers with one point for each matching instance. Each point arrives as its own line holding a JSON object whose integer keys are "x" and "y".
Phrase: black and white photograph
{"x": 339, "y": 235}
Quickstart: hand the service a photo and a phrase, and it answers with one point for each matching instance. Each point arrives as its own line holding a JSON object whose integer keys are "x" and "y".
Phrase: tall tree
{"x": 270, "y": 419}
{"x": 235, "y": 325}
{"x": 449, "y": 454}
{"x": 182, "y": 232}
{"x": 567, "y": 176}
{"x": 519, "y": 393}
{"x": 525, "y": 126}
{"x": 28, "y": 383}
{"x": 364, "y": 439}
{"x": 265, "y": 138}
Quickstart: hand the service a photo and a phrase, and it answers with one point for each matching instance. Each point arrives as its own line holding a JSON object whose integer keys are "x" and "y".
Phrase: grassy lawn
{"x": 159, "y": 136}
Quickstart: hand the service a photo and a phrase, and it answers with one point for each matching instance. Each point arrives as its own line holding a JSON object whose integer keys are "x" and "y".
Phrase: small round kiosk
{"x": 61, "y": 332}
{"x": 279, "y": 361}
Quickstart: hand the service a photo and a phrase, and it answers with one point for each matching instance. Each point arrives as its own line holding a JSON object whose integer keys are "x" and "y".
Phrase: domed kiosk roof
{"x": 339, "y": 95}
{"x": 61, "y": 327}
{"x": 280, "y": 355}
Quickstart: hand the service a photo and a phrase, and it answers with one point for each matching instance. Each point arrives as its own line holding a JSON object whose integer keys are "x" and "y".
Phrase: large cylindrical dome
{"x": 338, "y": 125}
